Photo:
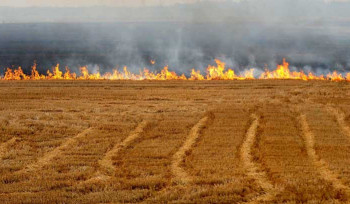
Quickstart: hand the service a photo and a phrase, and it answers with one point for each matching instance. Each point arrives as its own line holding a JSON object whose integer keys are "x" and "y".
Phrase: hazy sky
{"x": 78, "y": 3}
{"x": 83, "y": 3}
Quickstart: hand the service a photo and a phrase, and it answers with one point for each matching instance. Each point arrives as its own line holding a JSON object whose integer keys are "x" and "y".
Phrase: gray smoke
{"x": 311, "y": 34}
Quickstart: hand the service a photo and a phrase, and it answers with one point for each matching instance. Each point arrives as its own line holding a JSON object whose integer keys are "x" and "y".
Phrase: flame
{"x": 165, "y": 74}
{"x": 68, "y": 75}
{"x": 196, "y": 75}
{"x": 153, "y": 62}
{"x": 248, "y": 74}
{"x": 335, "y": 76}
{"x": 213, "y": 72}
{"x": 16, "y": 74}
{"x": 85, "y": 73}
{"x": 35, "y": 74}
{"x": 218, "y": 73}
{"x": 57, "y": 74}
{"x": 283, "y": 72}
{"x": 9, "y": 74}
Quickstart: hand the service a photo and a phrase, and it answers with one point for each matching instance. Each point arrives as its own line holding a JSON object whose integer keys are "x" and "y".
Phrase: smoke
{"x": 311, "y": 34}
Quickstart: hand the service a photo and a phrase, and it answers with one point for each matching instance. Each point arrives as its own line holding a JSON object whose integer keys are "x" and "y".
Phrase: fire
{"x": 68, "y": 75}
{"x": 335, "y": 76}
{"x": 196, "y": 75}
{"x": 248, "y": 74}
{"x": 16, "y": 74}
{"x": 214, "y": 72}
{"x": 218, "y": 73}
{"x": 165, "y": 74}
{"x": 35, "y": 74}
{"x": 283, "y": 72}
{"x": 57, "y": 74}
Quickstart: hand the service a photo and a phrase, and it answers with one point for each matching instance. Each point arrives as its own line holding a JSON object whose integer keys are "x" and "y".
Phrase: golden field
{"x": 253, "y": 141}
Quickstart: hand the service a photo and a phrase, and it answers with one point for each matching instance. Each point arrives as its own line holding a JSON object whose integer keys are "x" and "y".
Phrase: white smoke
{"x": 311, "y": 34}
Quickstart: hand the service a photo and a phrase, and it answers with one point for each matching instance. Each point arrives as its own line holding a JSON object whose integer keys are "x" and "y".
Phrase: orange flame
{"x": 196, "y": 75}
{"x": 217, "y": 72}
{"x": 335, "y": 76}
{"x": 57, "y": 74}
{"x": 16, "y": 74}
{"x": 283, "y": 72}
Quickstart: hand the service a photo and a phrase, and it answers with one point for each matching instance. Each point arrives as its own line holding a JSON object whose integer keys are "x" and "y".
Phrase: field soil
{"x": 259, "y": 141}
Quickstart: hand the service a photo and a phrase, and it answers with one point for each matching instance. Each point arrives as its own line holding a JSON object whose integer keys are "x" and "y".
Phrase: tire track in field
{"x": 321, "y": 165}
{"x": 56, "y": 152}
{"x": 252, "y": 169}
{"x": 340, "y": 117}
{"x": 4, "y": 146}
{"x": 106, "y": 163}
{"x": 180, "y": 175}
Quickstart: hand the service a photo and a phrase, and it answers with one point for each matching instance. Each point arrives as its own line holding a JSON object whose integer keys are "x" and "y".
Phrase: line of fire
{"x": 218, "y": 72}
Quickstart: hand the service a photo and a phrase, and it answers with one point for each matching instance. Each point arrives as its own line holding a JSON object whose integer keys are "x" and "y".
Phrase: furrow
{"x": 321, "y": 165}
{"x": 56, "y": 152}
{"x": 181, "y": 176}
{"x": 340, "y": 117}
{"x": 251, "y": 167}
{"x": 106, "y": 163}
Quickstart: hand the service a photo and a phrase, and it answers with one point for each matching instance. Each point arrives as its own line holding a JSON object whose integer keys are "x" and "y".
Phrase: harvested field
{"x": 253, "y": 141}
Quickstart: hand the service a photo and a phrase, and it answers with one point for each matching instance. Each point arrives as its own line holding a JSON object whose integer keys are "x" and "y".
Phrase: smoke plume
{"x": 310, "y": 34}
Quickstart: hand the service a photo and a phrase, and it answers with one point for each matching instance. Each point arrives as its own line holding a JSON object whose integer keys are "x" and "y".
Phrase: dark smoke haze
{"x": 310, "y": 34}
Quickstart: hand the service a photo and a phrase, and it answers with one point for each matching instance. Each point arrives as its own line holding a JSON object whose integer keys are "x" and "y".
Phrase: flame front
{"x": 283, "y": 72}
{"x": 214, "y": 72}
